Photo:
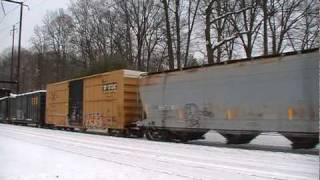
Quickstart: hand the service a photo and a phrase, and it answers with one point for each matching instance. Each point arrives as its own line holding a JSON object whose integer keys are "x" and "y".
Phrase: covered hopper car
{"x": 238, "y": 100}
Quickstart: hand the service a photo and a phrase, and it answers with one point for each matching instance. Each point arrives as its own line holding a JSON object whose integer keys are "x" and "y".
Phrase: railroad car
{"x": 4, "y": 109}
{"x": 4, "y": 92}
{"x": 238, "y": 100}
{"x": 28, "y": 108}
{"x": 7, "y": 108}
{"x": 107, "y": 101}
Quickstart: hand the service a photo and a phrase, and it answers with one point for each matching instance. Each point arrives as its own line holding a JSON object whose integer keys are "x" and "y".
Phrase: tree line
{"x": 93, "y": 36}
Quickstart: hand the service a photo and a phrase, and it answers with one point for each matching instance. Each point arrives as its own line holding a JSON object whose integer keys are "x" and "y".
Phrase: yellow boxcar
{"x": 102, "y": 101}
{"x": 57, "y": 104}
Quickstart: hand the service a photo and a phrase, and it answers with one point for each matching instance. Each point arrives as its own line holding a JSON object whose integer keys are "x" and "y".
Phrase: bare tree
{"x": 40, "y": 48}
{"x": 283, "y": 16}
{"x": 208, "y": 13}
{"x": 248, "y": 22}
{"x": 58, "y": 29}
{"x": 265, "y": 26}
{"x": 83, "y": 31}
{"x": 307, "y": 30}
{"x": 192, "y": 14}
{"x": 168, "y": 34}
{"x": 178, "y": 29}
{"x": 222, "y": 28}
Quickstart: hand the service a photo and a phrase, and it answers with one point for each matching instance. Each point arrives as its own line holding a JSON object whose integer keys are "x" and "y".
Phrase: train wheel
{"x": 116, "y": 133}
{"x": 157, "y": 135}
{"x": 185, "y": 136}
{"x": 152, "y": 135}
{"x": 302, "y": 142}
{"x": 69, "y": 129}
{"x": 139, "y": 134}
{"x": 239, "y": 138}
{"x": 183, "y": 139}
{"x": 147, "y": 134}
{"x": 134, "y": 133}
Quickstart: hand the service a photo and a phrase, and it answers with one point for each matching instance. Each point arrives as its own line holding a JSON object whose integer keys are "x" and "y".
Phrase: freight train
{"x": 238, "y": 99}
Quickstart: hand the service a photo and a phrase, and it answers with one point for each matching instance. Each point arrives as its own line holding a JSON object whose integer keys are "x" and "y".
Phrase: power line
{"x": 11, "y": 10}
{"x": 6, "y": 27}
{"x": 4, "y": 12}
{"x": 5, "y": 34}
{"x": 38, "y": 5}
{"x": 19, "y": 43}
{"x": 7, "y": 13}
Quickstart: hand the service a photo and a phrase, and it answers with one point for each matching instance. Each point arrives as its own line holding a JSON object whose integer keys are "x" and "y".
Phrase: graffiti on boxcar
{"x": 98, "y": 120}
{"x": 192, "y": 115}
{"x": 76, "y": 112}
{"x": 93, "y": 120}
{"x": 206, "y": 112}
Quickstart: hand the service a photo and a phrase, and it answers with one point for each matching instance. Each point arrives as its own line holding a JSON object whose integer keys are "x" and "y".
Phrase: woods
{"x": 93, "y": 36}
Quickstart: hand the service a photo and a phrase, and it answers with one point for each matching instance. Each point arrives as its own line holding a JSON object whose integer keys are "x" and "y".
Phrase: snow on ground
{"x": 270, "y": 141}
{"x": 30, "y": 153}
{"x": 265, "y": 139}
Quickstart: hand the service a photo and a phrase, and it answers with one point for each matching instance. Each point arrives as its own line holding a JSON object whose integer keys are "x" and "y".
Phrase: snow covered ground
{"x": 30, "y": 153}
{"x": 265, "y": 141}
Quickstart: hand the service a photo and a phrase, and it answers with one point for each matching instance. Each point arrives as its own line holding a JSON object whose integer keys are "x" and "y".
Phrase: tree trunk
{"x": 265, "y": 27}
{"x": 208, "y": 35}
{"x": 140, "y": 41}
{"x": 219, "y": 32}
{"x": 190, "y": 29}
{"x": 178, "y": 34}
{"x": 168, "y": 31}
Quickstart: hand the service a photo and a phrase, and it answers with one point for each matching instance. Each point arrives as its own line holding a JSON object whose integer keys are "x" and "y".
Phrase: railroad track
{"x": 251, "y": 146}
{"x": 185, "y": 161}
{"x": 257, "y": 147}
{"x": 271, "y": 148}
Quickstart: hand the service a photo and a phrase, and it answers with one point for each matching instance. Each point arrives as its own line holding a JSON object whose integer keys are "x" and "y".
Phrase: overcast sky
{"x": 31, "y": 17}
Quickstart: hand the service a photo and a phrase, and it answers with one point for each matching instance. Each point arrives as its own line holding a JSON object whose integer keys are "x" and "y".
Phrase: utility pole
{"x": 19, "y": 48}
{"x": 19, "y": 44}
{"x": 12, "y": 54}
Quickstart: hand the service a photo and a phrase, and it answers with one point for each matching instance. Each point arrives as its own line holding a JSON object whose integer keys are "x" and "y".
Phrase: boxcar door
{"x": 33, "y": 102}
{"x": 4, "y": 109}
{"x": 75, "y": 102}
